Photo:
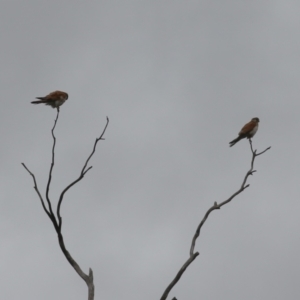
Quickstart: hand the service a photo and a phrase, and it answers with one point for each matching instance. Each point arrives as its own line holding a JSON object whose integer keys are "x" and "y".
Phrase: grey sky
{"x": 178, "y": 79}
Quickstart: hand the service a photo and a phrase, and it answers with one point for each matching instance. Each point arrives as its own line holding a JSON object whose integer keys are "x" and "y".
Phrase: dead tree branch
{"x": 57, "y": 220}
{"x": 81, "y": 175}
{"x": 193, "y": 254}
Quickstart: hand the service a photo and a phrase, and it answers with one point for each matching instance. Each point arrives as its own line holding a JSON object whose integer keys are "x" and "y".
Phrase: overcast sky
{"x": 178, "y": 80}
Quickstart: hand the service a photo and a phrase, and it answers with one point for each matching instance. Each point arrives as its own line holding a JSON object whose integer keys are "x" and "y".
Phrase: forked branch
{"x": 81, "y": 175}
{"x": 57, "y": 220}
{"x": 192, "y": 254}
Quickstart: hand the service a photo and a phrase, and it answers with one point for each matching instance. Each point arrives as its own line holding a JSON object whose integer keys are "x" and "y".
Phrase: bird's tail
{"x": 40, "y": 101}
{"x": 37, "y": 102}
{"x": 232, "y": 143}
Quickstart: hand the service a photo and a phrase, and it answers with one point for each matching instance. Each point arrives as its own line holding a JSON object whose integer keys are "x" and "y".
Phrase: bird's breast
{"x": 253, "y": 131}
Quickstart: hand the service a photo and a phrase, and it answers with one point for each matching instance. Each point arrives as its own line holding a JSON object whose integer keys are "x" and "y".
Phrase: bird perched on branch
{"x": 54, "y": 99}
{"x": 248, "y": 131}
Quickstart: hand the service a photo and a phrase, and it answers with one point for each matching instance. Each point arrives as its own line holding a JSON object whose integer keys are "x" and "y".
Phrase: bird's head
{"x": 63, "y": 95}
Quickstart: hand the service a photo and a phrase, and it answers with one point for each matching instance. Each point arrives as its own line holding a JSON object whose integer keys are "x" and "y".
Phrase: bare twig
{"x": 57, "y": 225}
{"x": 51, "y": 167}
{"x": 37, "y": 190}
{"x": 214, "y": 207}
{"x": 81, "y": 175}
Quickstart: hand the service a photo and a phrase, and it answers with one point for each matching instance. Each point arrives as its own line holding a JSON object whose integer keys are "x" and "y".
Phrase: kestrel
{"x": 248, "y": 131}
{"x": 54, "y": 99}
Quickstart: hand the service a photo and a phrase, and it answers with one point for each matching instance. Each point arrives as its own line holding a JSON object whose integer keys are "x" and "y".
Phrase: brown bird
{"x": 248, "y": 131}
{"x": 54, "y": 99}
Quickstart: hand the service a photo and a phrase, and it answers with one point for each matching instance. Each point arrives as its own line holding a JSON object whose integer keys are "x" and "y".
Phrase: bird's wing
{"x": 54, "y": 95}
{"x": 51, "y": 97}
{"x": 247, "y": 128}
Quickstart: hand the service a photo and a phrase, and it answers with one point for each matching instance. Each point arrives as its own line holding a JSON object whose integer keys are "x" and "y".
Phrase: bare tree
{"x": 56, "y": 219}
{"x": 193, "y": 254}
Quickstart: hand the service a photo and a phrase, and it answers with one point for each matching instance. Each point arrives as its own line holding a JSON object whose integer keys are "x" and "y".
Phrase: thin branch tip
{"x": 263, "y": 151}
{"x": 87, "y": 170}
{"x": 27, "y": 169}
{"x": 91, "y": 273}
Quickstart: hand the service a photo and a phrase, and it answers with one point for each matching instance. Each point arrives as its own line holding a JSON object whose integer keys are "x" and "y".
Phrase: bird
{"x": 54, "y": 99}
{"x": 248, "y": 131}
